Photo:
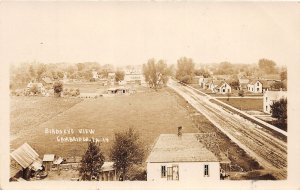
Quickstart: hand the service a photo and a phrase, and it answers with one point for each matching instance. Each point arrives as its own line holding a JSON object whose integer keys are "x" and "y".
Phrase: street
{"x": 268, "y": 150}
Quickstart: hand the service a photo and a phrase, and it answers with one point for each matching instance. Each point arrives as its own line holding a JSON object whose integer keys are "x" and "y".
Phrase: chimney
{"x": 179, "y": 131}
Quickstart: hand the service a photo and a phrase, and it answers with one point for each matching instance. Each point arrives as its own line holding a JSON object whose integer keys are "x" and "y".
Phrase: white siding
{"x": 188, "y": 171}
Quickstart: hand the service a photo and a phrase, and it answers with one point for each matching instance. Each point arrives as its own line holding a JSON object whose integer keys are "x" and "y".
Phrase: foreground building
{"x": 270, "y": 97}
{"x": 24, "y": 161}
{"x": 181, "y": 157}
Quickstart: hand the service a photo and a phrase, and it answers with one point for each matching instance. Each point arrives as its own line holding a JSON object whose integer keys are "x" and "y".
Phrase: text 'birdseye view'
{"x": 135, "y": 109}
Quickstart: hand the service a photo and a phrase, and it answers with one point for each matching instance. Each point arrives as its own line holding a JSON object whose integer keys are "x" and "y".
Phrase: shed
{"x": 26, "y": 157}
{"x": 108, "y": 172}
{"x": 48, "y": 161}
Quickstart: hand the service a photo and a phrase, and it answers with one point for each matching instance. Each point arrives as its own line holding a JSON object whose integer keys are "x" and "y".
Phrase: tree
{"x": 156, "y": 73}
{"x": 127, "y": 150}
{"x": 202, "y": 72}
{"x": 283, "y": 75}
{"x": 277, "y": 85}
{"x": 267, "y": 66}
{"x": 185, "y": 70}
{"x": 119, "y": 75}
{"x": 32, "y": 72}
{"x": 225, "y": 68}
{"x": 279, "y": 111}
{"x": 235, "y": 84}
{"x": 40, "y": 70}
{"x": 58, "y": 88}
{"x": 91, "y": 162}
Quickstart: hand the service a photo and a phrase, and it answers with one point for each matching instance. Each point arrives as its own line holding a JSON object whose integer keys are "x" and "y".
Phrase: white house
{"x": 270, "y": 97}
{"x": 259, "y": 86}
{"x": 95, "y": 74}
{"x": 223, "y": 88}
{"x": 243, "y": 82}
{"x": 182, "y": 158}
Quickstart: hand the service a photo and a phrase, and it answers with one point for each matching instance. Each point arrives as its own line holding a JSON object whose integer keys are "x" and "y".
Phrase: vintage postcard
{"x": 125, "y": 95}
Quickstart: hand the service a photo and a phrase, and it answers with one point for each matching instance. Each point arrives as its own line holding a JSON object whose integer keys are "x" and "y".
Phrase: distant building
{"x": 223, "y": 88}
{"x": 95, "y": 75}
{"x": 243, "y": 82}
{"x": 134, "y": 76}
{"x": 181, "y": 157}
{"x": 270, "y": 97}
{"x": 40, "y": 87}
{"x": 46, "y": 81}
{"x": 259, "y": 85}
{"x": 118, "y": 90}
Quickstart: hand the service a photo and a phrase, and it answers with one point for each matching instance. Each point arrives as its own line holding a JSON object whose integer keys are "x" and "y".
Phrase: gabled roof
{"x": 39, "y": 85}
{"x": 48, "y": 158}
{"x": 222, "y": 83}
{"x": 24, "y": 155}
{"x": 47, "y": 80}
{"x": 172, "y": 148}
{"x": 243, "y": 80}
{"x": 107, "y": 166}
{"x": 217, "y": 82}
{"x": 275, "y": 95}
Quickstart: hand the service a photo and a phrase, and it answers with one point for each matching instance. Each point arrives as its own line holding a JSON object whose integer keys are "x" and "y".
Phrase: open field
{"x": 150, "y": 113}
{"x": 245, "y": 103}
{"x": 27, "y": 113}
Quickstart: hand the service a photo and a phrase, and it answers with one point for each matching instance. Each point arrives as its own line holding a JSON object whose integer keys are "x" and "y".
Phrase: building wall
{"x": 256, "y": 88}
{"x": 224, "y": 89}
{"x": 269, "y": 99}
{"x": 188, "y": 171}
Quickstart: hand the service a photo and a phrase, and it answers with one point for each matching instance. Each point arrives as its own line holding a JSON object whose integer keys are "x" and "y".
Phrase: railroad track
{"x": 268, "y": 150}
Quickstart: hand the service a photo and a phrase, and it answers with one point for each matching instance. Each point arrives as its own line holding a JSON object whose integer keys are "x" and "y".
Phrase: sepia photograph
{"x": 139, "y": 93}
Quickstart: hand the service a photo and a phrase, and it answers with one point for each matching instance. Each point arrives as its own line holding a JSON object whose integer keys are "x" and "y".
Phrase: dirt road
{"x": 268, "y": 150}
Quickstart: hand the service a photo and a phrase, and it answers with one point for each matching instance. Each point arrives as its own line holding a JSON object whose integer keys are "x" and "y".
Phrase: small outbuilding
{"x": 108, "y": 172}
{"x": 48, "y": 161}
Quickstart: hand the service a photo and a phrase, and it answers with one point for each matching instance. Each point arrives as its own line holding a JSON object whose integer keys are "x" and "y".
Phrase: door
{"x": 169, "y": 173}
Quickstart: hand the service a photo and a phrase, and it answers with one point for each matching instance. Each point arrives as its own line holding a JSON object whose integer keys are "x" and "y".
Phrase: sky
{"x": 131, "y": 32}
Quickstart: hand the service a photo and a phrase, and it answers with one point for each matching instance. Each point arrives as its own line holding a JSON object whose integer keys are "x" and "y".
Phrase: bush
{"x": 241, "y": 93}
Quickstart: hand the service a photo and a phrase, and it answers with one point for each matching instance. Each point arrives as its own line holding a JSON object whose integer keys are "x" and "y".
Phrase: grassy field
{"x": 245, "y": 103}
{"x": 27, "y": 113}
{"x": 150, "y": 113}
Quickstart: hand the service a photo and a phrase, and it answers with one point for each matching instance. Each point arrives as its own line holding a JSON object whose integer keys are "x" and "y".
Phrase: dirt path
{"x": 269, "y": 151}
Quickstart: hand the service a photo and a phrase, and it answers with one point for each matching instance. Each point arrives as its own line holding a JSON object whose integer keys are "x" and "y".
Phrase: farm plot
{"x": 26, "y": 113}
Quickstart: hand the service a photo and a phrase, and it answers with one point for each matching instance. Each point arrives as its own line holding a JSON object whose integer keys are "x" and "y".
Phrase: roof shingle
{"x": 172, "y": 148}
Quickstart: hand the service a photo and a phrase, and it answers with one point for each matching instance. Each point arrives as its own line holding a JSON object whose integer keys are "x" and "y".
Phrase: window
{"x": 257, "y": 89}
{"x": 206, "y": 174}
{"x": 266, "y": 108}
{"x": 266, "y": 99}
{"x": 163, "y": 171}
{"x": 223, "y": 90}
